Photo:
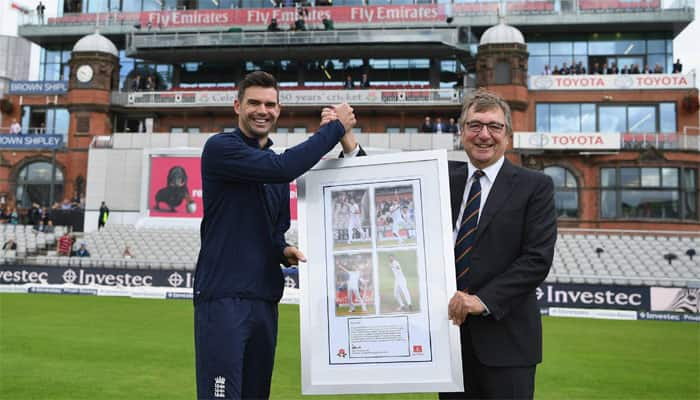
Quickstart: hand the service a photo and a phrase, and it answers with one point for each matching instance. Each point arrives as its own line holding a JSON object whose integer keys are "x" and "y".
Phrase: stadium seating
{"x": 625, "y": 259}
{"x": 586, "y": 257}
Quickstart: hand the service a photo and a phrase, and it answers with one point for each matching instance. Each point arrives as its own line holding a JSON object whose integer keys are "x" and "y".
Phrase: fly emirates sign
{"x": 287, "y": 16}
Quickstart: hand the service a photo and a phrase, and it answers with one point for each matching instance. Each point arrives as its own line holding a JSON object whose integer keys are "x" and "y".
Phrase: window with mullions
{"x": 54, "y": 65}
{"x": 651, "y": 50}
{"x": 566, "y": 191}
{"x": 590, "y": 117}
{"x": 648, "y": 193}
{"x": 34, "y": 184}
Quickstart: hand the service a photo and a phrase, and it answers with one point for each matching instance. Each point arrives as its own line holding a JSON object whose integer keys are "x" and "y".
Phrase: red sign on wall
{"x": 175, "y": 187}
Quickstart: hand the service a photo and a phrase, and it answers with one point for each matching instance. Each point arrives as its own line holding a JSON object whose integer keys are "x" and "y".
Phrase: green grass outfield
{"x": 73, "y": 347}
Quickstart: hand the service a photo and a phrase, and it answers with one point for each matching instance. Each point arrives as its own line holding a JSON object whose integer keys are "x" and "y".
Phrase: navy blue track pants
{"x": 235, "y": 343}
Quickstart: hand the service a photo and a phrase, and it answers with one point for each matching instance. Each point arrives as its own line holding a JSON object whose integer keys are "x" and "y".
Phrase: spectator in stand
{"x": 635, "y": 69}
{"x": 66, "y": 204}
{"x": 604, "y": 69}
{"x": 34, "y": 214}
{"x": 614, "y": 70}
{"x": 4, "y": 215}
{"x": 564, "y": 70}
{"x": 104, "y": 215}
{"x": 556, "y": 70}
{"x": 427, "y": 126}
{"x": 546, "y": 71}
{"x": 596, "y": 69}
{"x": 439, "y": 126}
{"x": 40, "y": 8}
{"x": 65, "y": 244}
{"x": 625, "y": 70}
{"x": 14, "y": 217}
{"x": 452, "y": 127}
{"x": 39, "y": 227}
{"x": 300, "y": 24}
{"x": 580, "y": 69}
{"x": 10, "y": 244}
{"x": 328, "y": 24}
{"x": 677, "y": 67}
{"x": 127, "y": 253}
{"x": 82, "y": 251}
{"x": 349, "y": 84}
{"x": 136, "y": 83}
{"x": 15, "y": 127}
{"x": 150, "y": 83}
{"x": 273, "y": 27}
{"x": 364, "y": 82}
{"x": 658, "y": 69}
{"x": 49, "y": 228}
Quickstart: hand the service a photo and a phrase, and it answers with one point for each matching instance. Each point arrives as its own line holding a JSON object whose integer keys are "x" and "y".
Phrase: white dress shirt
{"x": 486, "y": 181}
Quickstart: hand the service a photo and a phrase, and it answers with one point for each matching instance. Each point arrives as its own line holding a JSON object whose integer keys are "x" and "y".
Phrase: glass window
{"x": 52, "y": 72}
{"x": 538, "y": 49}
{"x": 566, "y": 191}
{"x": 393, "y": 130}
{"x": 656, "y": 46}
{"x": 282, "y": 130}
{"x": 667, "y": 117}
{"x": 131, "y": 5}
{"x": 608, "y": 204}
{"x": 629, "y": 177}
{"x": 535, "y": 65}
{"x": 34, "y": 184}
{"x": 642, "y": 119}
{"x": 176, "y": 130}
{"x": 193, "y": 130}
{"x": 588, "y": 119}
{"x": 602, "y": 48}
{"x": 581, "y": 48}
{"x": 669, "y": 177}
{"x": 561, "y": 48}
{"x": 300, "y": 129}
{"x": 649, "y": 192}
{"x": 542, "y": 117}
{"x": 565, "y": 118}
{"x": 650, "y": 177}
{"x": 559, "y": 61}
{"x": 607, "y": 177}
{"x": 612, "y": 119}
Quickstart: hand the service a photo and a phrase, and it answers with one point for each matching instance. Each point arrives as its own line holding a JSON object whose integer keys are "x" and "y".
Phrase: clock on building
{"x": 84, "y": 73}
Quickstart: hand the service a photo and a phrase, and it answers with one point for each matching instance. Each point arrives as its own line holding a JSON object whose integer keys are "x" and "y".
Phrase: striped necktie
{"x": 467, "y": 231}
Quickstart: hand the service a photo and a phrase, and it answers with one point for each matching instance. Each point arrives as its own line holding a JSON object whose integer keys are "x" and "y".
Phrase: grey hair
{"x": 483, "y": 100}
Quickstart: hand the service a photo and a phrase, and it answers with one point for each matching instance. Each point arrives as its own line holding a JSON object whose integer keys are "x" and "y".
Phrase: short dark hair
{"x": 257, "y": 78}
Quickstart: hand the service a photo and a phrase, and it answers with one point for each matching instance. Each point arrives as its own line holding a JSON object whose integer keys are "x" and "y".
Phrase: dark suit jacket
{"x": 512, "y": 255}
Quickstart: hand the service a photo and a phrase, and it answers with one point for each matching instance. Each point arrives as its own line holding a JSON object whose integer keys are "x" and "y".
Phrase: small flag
{"x": 20, "y": 8}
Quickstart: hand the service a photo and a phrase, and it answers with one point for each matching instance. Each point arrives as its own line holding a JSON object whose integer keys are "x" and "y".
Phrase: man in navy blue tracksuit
{"x": 238, "y": 281}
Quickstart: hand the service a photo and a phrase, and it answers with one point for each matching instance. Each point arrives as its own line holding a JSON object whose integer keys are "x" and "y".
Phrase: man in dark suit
{"x": 504, "y": 247}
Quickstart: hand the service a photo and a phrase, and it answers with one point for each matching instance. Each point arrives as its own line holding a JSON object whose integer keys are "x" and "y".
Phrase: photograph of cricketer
{"x": 351, "y": 222}
{"x": 354, "y": 284}
{"x": 398, "y": 282}
{"x": 395, "y": 216}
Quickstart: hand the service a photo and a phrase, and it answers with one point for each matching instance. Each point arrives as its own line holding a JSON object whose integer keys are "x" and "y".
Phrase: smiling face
{"x": 485, "y": 146}
{"x": 257, "y": 111}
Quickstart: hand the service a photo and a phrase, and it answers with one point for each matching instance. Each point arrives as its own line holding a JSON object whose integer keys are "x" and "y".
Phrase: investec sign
{"x": 567, "y": 141}
{"x": 594, "y": 296}
{"x": 611, "y": 82}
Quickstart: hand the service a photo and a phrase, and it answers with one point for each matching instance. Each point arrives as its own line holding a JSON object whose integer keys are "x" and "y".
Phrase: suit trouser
{"x": 484, "y": 382}
{"x": 235, "y": 343}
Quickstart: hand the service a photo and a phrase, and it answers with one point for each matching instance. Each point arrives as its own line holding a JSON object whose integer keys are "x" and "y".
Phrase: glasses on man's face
{"x": 493, "y": 127}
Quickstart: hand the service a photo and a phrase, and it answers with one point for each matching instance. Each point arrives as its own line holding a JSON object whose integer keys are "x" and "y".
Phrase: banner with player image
{"x": 374, "y": 308}
{"x": 175, "y": 187}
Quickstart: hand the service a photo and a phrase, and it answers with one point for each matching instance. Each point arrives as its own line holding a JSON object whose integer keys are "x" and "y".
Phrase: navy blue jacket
{"x": 246, "y": 212}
